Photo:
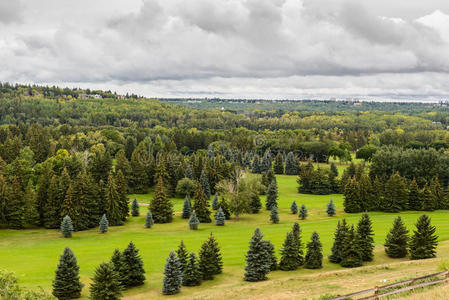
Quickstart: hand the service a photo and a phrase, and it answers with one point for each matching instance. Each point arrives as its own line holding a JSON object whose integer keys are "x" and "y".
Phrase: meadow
{"x": 33, "y": 254}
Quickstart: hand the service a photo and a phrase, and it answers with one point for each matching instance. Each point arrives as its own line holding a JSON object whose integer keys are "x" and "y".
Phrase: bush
{"x": 185, "y": 187}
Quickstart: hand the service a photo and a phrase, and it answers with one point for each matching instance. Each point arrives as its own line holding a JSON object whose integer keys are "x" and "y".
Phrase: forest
{"x": 74, "y": 160}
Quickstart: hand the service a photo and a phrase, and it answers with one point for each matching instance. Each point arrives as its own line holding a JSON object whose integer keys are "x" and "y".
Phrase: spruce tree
{"x": 424, "y": 241}
{"x": 191, "y": 275}
{"x": 291, "y": 165}
{"x": 437, "y": 193}
{"x": 303, "y": 212}
{"x": 15, "y": 208}
{"x": 210, "y": 258}
{"x": 396, "y": 194}
{"x": 314, "y": 255}
{"x": 337, "y": 247}
{"x": 31, "y": 212}
{"x": 290, "y": 258}
{"x": 351, "y": 201}
{"x": 258, "y": 259}
{"x": 186, "y": 208}
{"x": 132, "y": 266}
{"x": 104, "y": 224}
{"x": 294, "y": 207}
{"x": 224, "y": 205}
{"x": 296, "y": 230}
{"x": 173, "y": 275}
{"x": 330, "y": 208}
{"x": 106, "y": 283}
{"x": 278, "y": 165}
{"x": 118, "y": 265}
{"x": 66, "y": 227}
{"x": 397, "y": 240}
{"x": 204, "y": 181}
{"x": 182, "y": 255}
{"x": 215, "y": 204}
{"x": 334, "y": 169}
{"x": 122, "y": 190}
{"x": 351, "y": 255}
{"x": 188, "y": 173}
{"x": 414, "y": 199}
{"x": 161, "y": 207}
{"x": 135, "y": 208}
{"x": 272, "y": 254}
{"x": 365, "y": 234}
{"x": 427, "y": 199}
{"x": 149, "y": 222}
{"x": 220, "y": 218}
{"x": 254, "y": 203}
{"x": 113, "y": 208}
{"x": 274, "y": 215}
{"x": 66, "y": 284}
{"x": 193, "y": 221}
{"x": 201, "y": 206}
{"x": 272, "y": 195}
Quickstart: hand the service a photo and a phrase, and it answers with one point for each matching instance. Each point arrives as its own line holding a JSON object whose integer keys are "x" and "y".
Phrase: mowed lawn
{"x": 33, "y": 254}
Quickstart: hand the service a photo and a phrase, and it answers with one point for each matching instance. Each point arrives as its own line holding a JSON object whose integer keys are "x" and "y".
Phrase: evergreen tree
{"x": 201, "y": 206}
{"x": 186, "y": 208}
{"x": 70, "y": 208}
{"x": 191, "y": 275}
{"x": 135, "y": 208}
{"x": 210, "y": 258}
{"x": 31, "y": 212}
{"x": 161, "y": 207}
{"x": 149, "y": 220}
{"x": 303, "y": 212}
{"x": 351, "y": 197}
{"x": 118, "y": 265}
{"x": 52, "y": 205}
{"x": 15, "y": 208}
{"x": 414, "y": 198}
{"x": 104, "y": 224}
{"x": 132, "y": 266}
{"x": 271, "y": 253}
{"x": 272, "y": 196}
{"x": 337, "y": 247}
{"x": 290, "y": 258}
{"x": 258, "y": 259}
{"x": 106, "y": 283}
{"x": 278, "y": 165}
{"x": 254, "y": 203}
{"x": 397, "y": 240}
{"x": 188, "y": 173}
{"x": 314, "y": 256}
{"x": 256, "y": 165}
{"x": 365, "y": 234}
{"x": 437, "y": 193}
{"x": 296, "y": 230}
{"x": 193, "y": 221}
{"x": 396, "y": 194}
{"x": 334, "y": 169}
{"x": 294, "y": 207}
{"x": 220, "y": 217}
{"x": 351, "y": 254}
{"x": 204, "y": 181}
{"x": 182, "y": 255}
{"x": 427, "y": 199}
{"x": 330, "y": 208}
{"x": 173, "y": 275}
{"x": 113, "y": 210}
{"x": 215, "y": 204}
{"x": 66, "y": 227}
{"x": 424, "y": 241}
{"x": 274, "y": 216}
{"x": 291, "y": 165}
{"x": 224, "y": 205}
{"x": 66, "y": 284}
{"x": 122, "y": 190}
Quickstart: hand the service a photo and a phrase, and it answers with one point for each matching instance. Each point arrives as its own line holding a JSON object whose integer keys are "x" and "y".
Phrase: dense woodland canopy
{"x": 78, "y": 153}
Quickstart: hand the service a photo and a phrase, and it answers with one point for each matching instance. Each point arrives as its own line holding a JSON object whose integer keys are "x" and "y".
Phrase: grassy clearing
{"x": 33, "y": 254}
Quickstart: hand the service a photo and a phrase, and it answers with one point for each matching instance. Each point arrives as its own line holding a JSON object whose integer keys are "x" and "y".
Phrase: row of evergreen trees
{"x": 318, "y": 181}
{"x": 281, "y": 164}
{"x": 363, "y": 194}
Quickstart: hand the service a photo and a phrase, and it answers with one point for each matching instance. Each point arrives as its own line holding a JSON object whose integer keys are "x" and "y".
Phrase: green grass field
{"x": 33, "y": 254}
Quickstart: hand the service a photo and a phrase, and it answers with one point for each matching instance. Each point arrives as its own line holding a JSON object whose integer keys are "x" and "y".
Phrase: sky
{"x": 270, "y": 49}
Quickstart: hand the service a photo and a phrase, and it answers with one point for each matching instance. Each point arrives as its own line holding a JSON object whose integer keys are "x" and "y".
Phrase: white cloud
{"x": 236, "y": 48}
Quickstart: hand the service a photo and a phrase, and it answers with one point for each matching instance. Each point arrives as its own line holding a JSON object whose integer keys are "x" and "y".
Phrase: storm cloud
{"x": 231, "y": 48}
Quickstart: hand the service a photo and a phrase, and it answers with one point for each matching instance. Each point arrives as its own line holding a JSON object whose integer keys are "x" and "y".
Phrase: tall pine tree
{"x": 337, "y": 247}
{"x": 186, "y": 208}
{"x": 397, "y": 240}
{"x": 191, "y": 276}
{"x": 258, "y": 259}
{"x": 201, "y": 206}
{"x": 173, "y": 275}
{"x": 414, "y": 199}
{"x": 132, "y": 266}
{"x": 314, "y": 255}
{"x": 290, "y": 258}
{"x": 106, "y": 283}
{"x": 365, "y": 234}
{"x": 161, "y": 206}
{"x": 424, "y": 241}
{"x": 351, "y": 255}
{"x": 210, "y": 258}
{"x": 272, "y": 195}
{"x": 66, "y": 284}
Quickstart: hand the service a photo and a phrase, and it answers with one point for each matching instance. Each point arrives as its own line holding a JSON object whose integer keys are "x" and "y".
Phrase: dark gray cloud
{"x": 230, "y": 47}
